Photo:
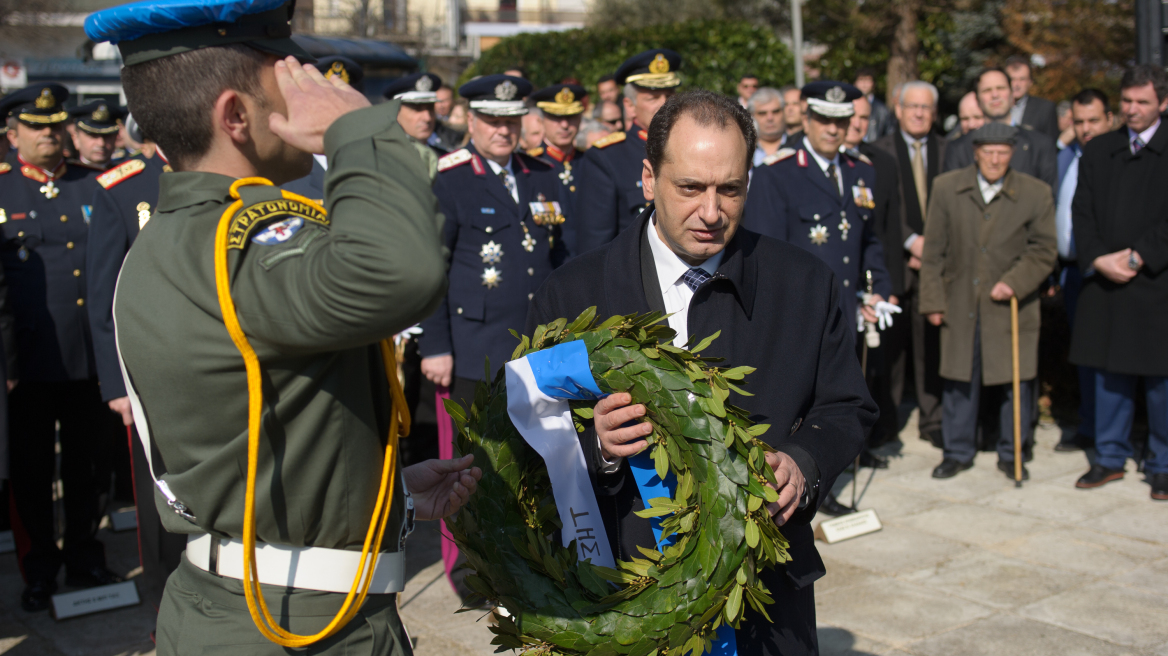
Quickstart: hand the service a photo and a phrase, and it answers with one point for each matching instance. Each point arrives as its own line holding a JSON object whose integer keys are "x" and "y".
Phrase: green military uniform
{"x": 314, "y": 294}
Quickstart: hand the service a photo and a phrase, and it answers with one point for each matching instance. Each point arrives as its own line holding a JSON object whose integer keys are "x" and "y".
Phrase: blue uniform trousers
{"x": 959, "y": 411}
{"x": 1114, "y": 409}
{"x": 1072, "y": 283}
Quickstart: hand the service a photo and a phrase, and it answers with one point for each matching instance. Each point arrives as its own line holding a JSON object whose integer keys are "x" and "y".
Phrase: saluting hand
{"x": 313, "y": 102}
{"x": 440, "y": 487}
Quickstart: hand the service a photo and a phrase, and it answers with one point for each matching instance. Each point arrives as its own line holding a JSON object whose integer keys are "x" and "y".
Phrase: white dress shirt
{"x": 1064, "y": 227}
{"x": 495, "y": 168}
{"x": 839, "y": 175}
{"x": 989, "y": 189}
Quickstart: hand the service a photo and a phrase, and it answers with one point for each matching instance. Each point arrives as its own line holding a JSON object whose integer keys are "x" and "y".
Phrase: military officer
{"x": 610, "y": 179}
{"x": 350, "y": 72}
{"x": 275, "y": 323}
{"x": 502, "y": 229}
{"x": 122, "y": 205}
{"x": 45, "y": 205}
{"x": 95, "y": 133}
{"x": 562, "y": 111}
{"x": 418, "y": 94}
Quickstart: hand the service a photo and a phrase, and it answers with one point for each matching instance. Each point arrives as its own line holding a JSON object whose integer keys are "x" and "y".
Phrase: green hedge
{"x": 714, "y": 54}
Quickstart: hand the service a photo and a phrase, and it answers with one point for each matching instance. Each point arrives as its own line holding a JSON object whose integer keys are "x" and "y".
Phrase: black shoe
{"x": 950, "y": 468}
{"x": 834, "y": 508}
{"x": 1007, "y": 468}
{"x": 1159, "y": 486}
{"x": 1097, "y": 476}
{"x": 934, "y": 437}
{"x": 869, "y": 459}
{"x": 38, "y": 595}
{"x": 89, "y": 578}
{"x": 1068, "y": 447}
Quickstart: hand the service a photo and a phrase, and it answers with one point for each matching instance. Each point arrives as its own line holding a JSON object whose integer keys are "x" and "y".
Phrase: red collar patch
{"x": 801, "y": 158}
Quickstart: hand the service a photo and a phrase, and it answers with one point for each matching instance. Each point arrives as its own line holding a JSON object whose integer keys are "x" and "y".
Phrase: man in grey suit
{"x": 1029, "y": 112}
{"x": 1034, "y": 152}
{"x": 919, "y": 152}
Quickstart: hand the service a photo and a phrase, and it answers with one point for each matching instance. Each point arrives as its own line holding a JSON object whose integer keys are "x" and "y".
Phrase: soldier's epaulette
{"x": 5, "y": 167}
{"x": 615, "y": 137}
{"x": 457, "y": 158}
{"x": 121, "y": 172}
{"x": 779, "y": 155}
{"x": 535, "y": 152}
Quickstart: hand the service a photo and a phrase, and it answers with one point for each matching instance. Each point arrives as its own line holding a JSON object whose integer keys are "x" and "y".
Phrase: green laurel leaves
{"x": 654, "y": 603}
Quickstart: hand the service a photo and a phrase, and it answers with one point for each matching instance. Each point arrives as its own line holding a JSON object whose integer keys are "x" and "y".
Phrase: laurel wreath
{"x": 668, "y": 602}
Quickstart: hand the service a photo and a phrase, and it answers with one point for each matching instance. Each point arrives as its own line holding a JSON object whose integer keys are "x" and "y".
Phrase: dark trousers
{"x": 85, "y": 425}
{"x": 1115, "y": 399}
{"x": 879, "y": 375}
{"x": 1072, "y": 282}
{"x": 926, "y": 354}
{"x": 961, "y": 402}
{"x": 159, "y": 552}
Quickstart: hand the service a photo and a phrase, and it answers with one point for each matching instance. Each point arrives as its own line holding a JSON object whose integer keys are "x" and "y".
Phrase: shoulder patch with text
{"x": 248, "y": 219}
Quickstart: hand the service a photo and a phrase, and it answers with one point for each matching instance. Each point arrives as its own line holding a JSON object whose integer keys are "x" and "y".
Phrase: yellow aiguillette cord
{"x": 399, "y": 425}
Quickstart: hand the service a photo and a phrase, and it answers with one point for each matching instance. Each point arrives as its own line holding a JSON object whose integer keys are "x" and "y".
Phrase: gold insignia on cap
{"x": 565, "y": 104}
{"x": 46, "y": 100}
{"x": 424, "y": 83}
{"x": 565, "y": 96}
{"x": 506, "y": 90}
{"x": 835, "y": 95}
{"x": 338, "y": 69}
{"x": 659, "y": 64}
{"x": 101, "y": 115}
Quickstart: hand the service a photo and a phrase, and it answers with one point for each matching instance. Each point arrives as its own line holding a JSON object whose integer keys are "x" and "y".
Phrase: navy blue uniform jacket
{"x": 124, "y": 201}
{"x": 778, "y": 309}
{"x": 473, "y": 321}
{"x": 610, "y": 188}
{"x": 567, "y": 170}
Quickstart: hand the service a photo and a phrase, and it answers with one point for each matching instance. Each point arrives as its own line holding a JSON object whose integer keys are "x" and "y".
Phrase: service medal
{"x": 844, "y": 226}
{"x": 819, "y": 235}
{"x": 491, "y": 277}
{"x": 50, "y": 190}
{"x": 491, "y": 253}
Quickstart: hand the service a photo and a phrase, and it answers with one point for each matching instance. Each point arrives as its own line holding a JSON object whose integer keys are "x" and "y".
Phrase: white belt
{"x": 308, "y": 568}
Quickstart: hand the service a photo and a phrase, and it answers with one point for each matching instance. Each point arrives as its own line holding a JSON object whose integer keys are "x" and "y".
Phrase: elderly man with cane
{"x": 989, "y": 240}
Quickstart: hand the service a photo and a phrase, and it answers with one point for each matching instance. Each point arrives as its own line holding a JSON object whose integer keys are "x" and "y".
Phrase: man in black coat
{"x": 1029, "y": 112}
{"x": 1034, "y": 152}
{"x": 1121, "y": 231}
{"x": 778, "y": 309}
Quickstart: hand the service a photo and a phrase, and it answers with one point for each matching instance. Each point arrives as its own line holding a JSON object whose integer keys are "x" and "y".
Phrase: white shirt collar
{"x": 322, "y": 160}
{"x": 670, "y": 267}
{"x": 819, "y": 160}
{"x": 1145, "y": 136}
{"x": 909, "y": 139}
{"x": 496, "y": 167}
{"x": 989, "y": 190}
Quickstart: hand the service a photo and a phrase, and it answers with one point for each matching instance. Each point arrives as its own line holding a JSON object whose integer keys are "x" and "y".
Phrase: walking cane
{"x": 871, "y": 339}
{"x": 1017, "y": 393}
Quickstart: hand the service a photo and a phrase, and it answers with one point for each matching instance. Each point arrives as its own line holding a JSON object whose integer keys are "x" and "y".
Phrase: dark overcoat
{"x": 778, "y": 309}
{"x": 609, "y": 179}
{"x": 888, "y": 214}
{"x": 909, "y": 205}
{"x": 1034, "y": 154}
{"x": 1120, "y": 203}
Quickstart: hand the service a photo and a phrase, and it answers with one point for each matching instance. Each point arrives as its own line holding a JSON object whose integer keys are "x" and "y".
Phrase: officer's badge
{"x": 546, "y": 213}
{"x": 143, "y": 214}
{"x": 863, "y": 196}
{"x": 46, "y": 100}
{"x": 22, "y": 253}
{"x": 50, "y": 190}
{"x": 424, "y": 83}
{"x": 506, "y": 90}
{"x": 819, "y": 235}
{"x": 278, "y": 232}
{"x": 491, "y": 253}
{"x": 566, "y": 175}
{"x": 338, "y": 70}
{"x": 565, "y": 96}
{"x": 844, "y": 227}
{"x": 86, "y": 213}
{"x": 835, "y": 95}
{"x": 102, "y": 114}
{"x": 659, "y": 65}
{"x": 491, "y": 277}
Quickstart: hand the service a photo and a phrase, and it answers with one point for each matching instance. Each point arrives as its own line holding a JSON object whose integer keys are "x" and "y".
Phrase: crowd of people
{"x": 929, "y": 237}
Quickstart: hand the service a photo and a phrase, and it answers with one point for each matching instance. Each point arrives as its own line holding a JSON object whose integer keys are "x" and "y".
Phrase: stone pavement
{"x": 964, "y": 567}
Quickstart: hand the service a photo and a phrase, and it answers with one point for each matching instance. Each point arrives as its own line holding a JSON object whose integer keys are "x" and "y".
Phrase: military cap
{"x": 497, "y": 95}
{"x": 342, "y": 67}
{"x": 560, "y": 99}
{"x": 994, "y": 133}
{"x": 830, "y": 98}
{"x": 416, "y": 88}
{"x": 652, "y": 69}
{"x": 152, "y": 29}
{"x": 39, "y": 104}
{"x": 98, "y": 117}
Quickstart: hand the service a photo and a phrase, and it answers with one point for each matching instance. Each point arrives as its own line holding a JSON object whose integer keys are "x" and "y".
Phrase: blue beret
{"x": 417, "y": 88}
{"x": 39, "y": 104}
{"x": 560, "y": 99}
{"x": 497, "y": 95}
{"x": 652, "y": 69}
{"x": 830, "y": 98}
{"x": 98, "y": 117}
{"x": 152, "y": 29}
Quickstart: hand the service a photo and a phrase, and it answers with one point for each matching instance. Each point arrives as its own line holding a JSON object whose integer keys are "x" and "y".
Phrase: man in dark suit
{"x": 919, "y": 153}
{"x": 881, "y": 122}
{"x": 1119, "y": 215}
{"x": 1034, "y": 152}
{"x": 778, "y": 309}
{"x": 1029, "y": 112}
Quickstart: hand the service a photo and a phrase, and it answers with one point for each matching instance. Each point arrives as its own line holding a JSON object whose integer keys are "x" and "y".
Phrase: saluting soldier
{"x": 562, "y": 111}
{"x": 95, "y": 133}
{"x": 127, "y": 196}
{"x": 502, "y": 229}
{"x": 44, "y": 212}
{"x": 351, "y": 73}
{"x": 823, "y": 200}
{"x": 610, "y": 179}
{"x": 267, "y": 333}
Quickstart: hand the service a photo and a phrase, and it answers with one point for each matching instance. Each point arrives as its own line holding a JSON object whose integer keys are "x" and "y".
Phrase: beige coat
{"x": 969, "y": 247}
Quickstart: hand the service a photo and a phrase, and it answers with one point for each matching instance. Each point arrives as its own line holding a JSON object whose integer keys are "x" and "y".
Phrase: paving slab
{"x": 981, "y": 481}
{"x": 995, "y": 580}
{"x": 891, "y": 552}
{"x": 1144, "y": 521}
{"x": 973, "y": 524}
{"x": 1152, "y": 577}
{"x": 1005, "y": 634}
{"x": 834, "y": 641}
{"x": 1083, "y": 550}
{"x": 1125, "y": 616}
{"x": 895, "y": 612}
{"x": 841, "y": 574}
{"x": 1055, "y": 502}
{"x": 892, "y": 501}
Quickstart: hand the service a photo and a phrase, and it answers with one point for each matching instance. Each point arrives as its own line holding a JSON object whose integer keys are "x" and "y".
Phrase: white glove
{"x": 412, "y": 331}
{"x": 884, "y": 311}
{"x": 859, "y": 320}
